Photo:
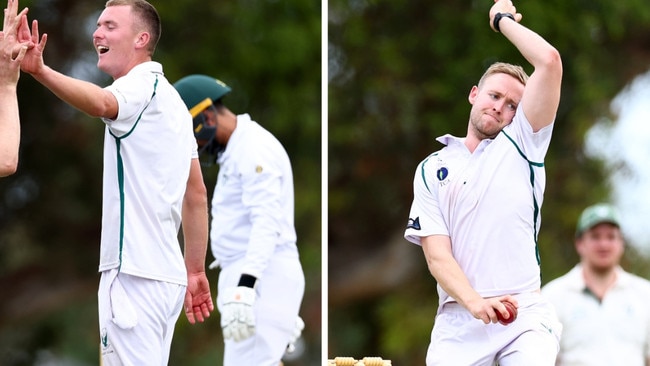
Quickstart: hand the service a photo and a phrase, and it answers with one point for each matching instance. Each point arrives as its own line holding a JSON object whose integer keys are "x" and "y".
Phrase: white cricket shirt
{"x": 615, "y": 331}
{"x": 488, "y": 204}
{"x": 253, "y": 202}
{"x": 147, "y": 153}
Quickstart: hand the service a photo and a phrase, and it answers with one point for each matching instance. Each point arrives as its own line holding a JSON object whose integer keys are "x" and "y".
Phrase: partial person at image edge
{"x": 605, "y": 311}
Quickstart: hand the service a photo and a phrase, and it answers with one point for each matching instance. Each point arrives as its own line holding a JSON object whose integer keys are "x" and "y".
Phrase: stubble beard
{"x": 478, "y": 125}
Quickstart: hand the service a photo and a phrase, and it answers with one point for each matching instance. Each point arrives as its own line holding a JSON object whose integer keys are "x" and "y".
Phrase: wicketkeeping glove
{"x": 237, "y": 317}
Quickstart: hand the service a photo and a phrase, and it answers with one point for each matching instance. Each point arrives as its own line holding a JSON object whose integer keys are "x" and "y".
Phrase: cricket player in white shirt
{"x": 152, "y": 184}
{"x": 476, "y": 212}
{"x": 252, "y": 237}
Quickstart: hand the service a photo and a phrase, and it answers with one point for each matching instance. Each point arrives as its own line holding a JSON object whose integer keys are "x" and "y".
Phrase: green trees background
{"x": 268, "y": 51}
{"x": 399, "y": 76}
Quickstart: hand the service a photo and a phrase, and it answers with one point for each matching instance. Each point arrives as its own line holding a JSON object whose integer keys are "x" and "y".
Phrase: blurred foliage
{"x": 268, "y": 51}
{"x": 399, "y": 74}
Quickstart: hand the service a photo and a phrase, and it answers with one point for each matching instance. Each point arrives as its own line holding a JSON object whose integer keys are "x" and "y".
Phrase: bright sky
{"x": 626, "y": 143}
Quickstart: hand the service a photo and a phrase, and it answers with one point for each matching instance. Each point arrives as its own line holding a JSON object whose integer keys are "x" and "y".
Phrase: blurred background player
{"x": 604, "y": 309}
{"x": 152, "y": 182}
{"x": 11, "y": 54}
{"x": 476, "y": 207}
{"x": 253, "y": 239}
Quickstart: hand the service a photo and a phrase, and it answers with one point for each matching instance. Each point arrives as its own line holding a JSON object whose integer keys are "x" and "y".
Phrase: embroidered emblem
{"x": 442, "y": 173}
{"x": 414, "y": 223}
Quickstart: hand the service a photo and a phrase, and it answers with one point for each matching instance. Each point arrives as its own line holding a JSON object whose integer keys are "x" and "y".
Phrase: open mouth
{"x": 102, "y": 49}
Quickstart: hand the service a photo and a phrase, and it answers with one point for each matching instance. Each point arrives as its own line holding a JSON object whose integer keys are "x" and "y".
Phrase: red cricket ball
{"x": 513, "y": 313}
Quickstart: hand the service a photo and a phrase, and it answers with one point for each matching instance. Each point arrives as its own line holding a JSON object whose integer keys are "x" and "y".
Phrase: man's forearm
{"x": 446, "y": 271}
{"x": 535, "y": 49}
{"x": 195, "y": 233}
{"x": 195, "y": 220}
{"x": 541, "y": 97}
{"x": 9, "y": 130}
{"x": 82, "y": 95}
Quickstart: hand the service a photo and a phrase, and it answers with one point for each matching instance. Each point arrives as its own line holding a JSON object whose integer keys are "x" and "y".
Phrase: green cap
{"x": 200, "y": 91}
{"x": 597, "y": 214}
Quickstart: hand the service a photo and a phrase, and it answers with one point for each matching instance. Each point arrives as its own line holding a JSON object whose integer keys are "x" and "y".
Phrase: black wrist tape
{"x": 247, "y": 280}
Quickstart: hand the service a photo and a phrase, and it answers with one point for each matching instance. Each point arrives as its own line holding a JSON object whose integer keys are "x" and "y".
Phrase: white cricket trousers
{"x": 533, "y": 339}
{"x": 279, "y": 295}
{"x": 136, "y": 319}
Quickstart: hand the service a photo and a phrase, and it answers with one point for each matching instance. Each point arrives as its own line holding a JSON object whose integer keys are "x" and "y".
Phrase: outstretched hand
{"x": 503, "y": 6}
{"x": 12, "y": 18}
{"x": 33, "y": 61}
{"x": 198, "y": 300}
{"x": 11, "y": 50}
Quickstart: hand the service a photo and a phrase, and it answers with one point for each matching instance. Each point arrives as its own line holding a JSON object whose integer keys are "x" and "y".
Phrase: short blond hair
{"x": 515, "y": 71}
{"x": 148, "y": 15}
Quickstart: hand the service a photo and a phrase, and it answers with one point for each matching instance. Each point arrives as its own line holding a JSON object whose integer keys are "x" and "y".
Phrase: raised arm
{"x": 85, "y": 96}
{"x": 541, "y": 96}
{"x": 11, "y": 55}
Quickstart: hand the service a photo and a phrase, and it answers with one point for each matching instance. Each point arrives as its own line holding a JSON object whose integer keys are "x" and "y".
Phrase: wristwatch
{"x": 497, "y": 19}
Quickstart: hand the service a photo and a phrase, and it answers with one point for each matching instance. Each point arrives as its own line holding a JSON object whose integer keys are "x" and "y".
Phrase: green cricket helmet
{"x": 200, "y": 92}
